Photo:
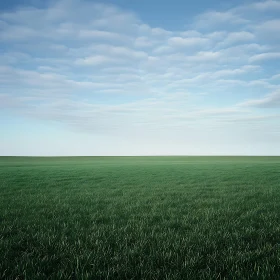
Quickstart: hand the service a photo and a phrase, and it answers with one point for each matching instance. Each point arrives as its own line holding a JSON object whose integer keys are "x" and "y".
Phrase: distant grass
{"x": 140, "y": 218}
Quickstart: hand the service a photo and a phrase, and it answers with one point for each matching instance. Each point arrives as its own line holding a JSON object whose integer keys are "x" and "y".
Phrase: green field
{"x": 140, "y": 218}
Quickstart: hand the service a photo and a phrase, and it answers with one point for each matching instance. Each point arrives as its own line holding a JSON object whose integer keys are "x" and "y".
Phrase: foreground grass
{"x": 140, "y": 218}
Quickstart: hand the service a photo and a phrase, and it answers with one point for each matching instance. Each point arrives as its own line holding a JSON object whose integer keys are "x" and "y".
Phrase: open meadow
{"x": 140, "y": 218}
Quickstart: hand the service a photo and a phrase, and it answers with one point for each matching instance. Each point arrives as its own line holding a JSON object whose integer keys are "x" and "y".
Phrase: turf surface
{"x": 140, "y": 218}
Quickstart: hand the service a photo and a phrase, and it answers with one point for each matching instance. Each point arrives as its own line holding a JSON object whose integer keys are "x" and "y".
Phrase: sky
{"x": 83, "y": 77}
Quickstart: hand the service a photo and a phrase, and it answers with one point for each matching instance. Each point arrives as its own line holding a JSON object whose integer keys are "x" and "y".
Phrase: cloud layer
{"x": 100, "y": 69}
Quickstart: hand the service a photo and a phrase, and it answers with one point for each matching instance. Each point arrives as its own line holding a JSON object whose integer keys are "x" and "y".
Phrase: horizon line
{"x": 43, "y": 156}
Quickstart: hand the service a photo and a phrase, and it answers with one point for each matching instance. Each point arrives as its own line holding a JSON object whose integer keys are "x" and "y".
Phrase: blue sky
{"x": 139, "y": 77}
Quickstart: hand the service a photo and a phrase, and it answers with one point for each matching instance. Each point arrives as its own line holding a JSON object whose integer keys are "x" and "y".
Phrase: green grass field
{"x": 140, "y": 218}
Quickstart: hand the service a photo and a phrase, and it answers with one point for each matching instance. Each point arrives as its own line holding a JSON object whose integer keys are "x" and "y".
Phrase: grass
{"x": 140, "y": 218}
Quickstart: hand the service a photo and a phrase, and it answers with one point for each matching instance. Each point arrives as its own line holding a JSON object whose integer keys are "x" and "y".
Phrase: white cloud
{"x": 238, "y": 37}
{"x": 143, "y": 42}
{"x": 265, "y": 56}
{"x": 116, "y": 51}
{"x": 218, "y": 19}
{"x": 271, "y": 26}
{"x": 268, "y": 31}
{"x": 17, "y": 33}
{"x": 190, "y": 34}
{"x": 187, "y": 42}
{"x": 162, "y": 49}
{"x": 269, "y": 101}
{"x": 275, "y": 77}
{"x": 266, "y": 5}
{"x": 98, "y": 34}
{"x": 157, "y": 32}
{"x": 205, "y": 56}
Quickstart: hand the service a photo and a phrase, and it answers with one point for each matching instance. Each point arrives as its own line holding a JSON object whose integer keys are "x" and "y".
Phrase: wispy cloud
{"x": 265, "y": 56}
{"x": 269, "y": 101}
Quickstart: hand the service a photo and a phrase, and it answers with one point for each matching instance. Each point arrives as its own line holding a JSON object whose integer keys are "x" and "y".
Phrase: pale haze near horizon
{"x": 120, "y": 78}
